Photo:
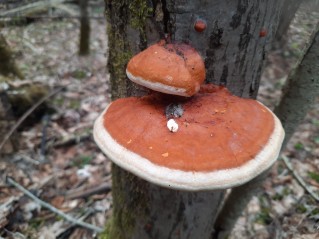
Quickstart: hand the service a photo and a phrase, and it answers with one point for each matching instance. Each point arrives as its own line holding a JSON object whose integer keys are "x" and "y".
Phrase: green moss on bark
{"x": 121, "y": 14}
{"x": 7, "y": 65}
{"x": 139, "y": 13}
{"x": 127, "y": 205}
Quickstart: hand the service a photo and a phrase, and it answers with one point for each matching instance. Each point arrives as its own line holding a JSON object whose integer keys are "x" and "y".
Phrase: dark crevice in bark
{"x": 216, "y": 36}
{"x": 158, "y": 24}
{"x": 242, "y": 6}
{"x": 178, "y": 219}
{"x": 223, "y": 78}
{"x": 166, "y": 18}
{"x": 236, "y": 18}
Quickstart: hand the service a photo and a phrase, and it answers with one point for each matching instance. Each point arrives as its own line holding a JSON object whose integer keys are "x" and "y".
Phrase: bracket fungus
{"x": 175, "y": 69}
{"x": 222, "y": 140}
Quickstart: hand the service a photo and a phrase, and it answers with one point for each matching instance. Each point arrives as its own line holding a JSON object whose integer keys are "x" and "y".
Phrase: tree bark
{"x": 300, "y": 91}
{"x": 234, "y": 52}
{"x": 289, "y": 10}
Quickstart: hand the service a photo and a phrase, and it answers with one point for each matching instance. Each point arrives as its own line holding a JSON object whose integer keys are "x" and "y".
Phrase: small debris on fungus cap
{"x": 222, "y": 140}
{"x": 174, "y": 111}
{"x": 172, "y": 125}
{"x": 175, "y": 69}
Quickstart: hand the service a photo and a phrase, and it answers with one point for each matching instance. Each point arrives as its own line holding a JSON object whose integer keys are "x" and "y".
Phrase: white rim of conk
{"x": 159, "y": 86}
{"x": 188, "y": 180}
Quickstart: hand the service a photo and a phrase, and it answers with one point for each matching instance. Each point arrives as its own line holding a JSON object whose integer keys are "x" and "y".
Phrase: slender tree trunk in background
{"x": 300, "y": 91}
{"x": 235, "y": 204}
{"x": 289, "y": 10}
{"x": 7, "y": 64}
{"x": 302, "y": 86}
{"x": 234, "y": 52}
{"x": 85, "y": 29}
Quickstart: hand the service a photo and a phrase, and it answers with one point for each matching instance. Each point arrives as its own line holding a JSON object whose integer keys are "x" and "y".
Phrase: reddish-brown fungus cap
{"x": 222, "y": 140}
{"x": 175, "y": 69}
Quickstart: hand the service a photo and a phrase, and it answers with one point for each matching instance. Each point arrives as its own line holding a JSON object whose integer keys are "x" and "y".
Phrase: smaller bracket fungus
{"x": 222, "y": 140}
{"x": 175, "y": 69}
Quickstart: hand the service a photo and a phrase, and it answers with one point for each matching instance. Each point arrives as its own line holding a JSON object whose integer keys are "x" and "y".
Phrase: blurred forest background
{"x": 53, "y": 85}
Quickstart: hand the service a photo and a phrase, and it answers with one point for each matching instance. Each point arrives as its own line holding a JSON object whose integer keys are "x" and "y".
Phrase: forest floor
{"x": 59, "y": 162}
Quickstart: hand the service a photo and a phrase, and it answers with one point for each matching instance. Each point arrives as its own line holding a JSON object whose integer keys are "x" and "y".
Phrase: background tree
{"x": 234, "y": 44}
{"x": 85, "y": 29}
{"x": 291, "y": 7}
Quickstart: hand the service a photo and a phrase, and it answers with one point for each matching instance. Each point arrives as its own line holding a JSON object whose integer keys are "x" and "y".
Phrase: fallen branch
{"x": 26, "y": 114}
{"x": 29, "y": 8}
{"x": 53, "y": 209}
{"x": 299, "y": 179}
{"x": 74, "y": 139}
{"x": 65, "y": 230}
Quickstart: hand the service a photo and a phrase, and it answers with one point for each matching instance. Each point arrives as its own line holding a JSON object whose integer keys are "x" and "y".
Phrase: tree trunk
{"x": 85, "y": 29}
{"x": 234, "y": 51}
{"x": 289, "y": 10}
{"x": 300, "y": 91}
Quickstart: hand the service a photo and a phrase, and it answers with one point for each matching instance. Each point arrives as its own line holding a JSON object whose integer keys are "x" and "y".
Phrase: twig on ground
{"x": 26, "y": 114}
{"x": 53, "y": 209}
{"x": 299, "y": 179}
{"x": 29, "y": 8}
{"x": 104, "y": 187}
{"x": 86, "y": 215}
{"x": 15, "y": 235}
{"x": 74, "y": 139}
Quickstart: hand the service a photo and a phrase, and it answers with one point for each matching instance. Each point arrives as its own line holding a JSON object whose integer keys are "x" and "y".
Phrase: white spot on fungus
{"x": 172, "y": 125}
{"x": 165, "y": 155}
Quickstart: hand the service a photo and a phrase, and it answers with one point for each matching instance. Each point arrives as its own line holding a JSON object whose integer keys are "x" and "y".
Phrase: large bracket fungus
{"x": 222, "y": 141}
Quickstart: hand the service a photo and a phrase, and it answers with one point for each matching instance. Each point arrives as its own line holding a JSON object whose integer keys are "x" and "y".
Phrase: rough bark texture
{"x": 233, "y": 51}
{"x": 144, "y": 210}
